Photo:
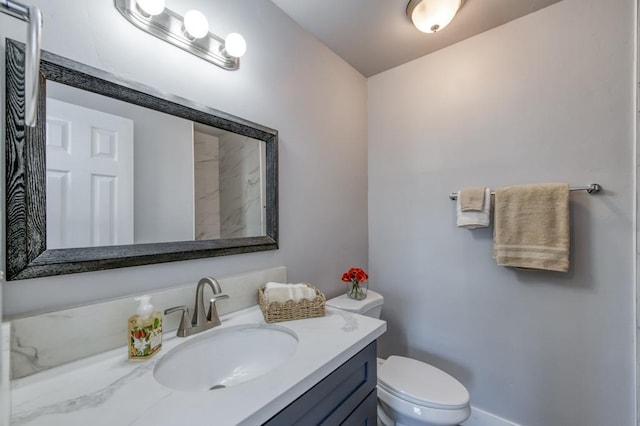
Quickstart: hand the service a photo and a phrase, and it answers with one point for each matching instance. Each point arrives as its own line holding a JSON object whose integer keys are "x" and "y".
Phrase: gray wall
{"x": 549, "y": 97}
{"x": 287, "y": 81}
{"x": 163, "y": 180}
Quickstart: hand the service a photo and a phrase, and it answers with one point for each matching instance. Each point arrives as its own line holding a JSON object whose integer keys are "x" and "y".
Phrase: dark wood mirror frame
{"x": 26, "y": 253}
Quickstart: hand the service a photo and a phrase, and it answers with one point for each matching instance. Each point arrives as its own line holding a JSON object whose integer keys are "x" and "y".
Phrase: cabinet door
{"x": 366, "y": 413}
{"x": 336, "y": 397}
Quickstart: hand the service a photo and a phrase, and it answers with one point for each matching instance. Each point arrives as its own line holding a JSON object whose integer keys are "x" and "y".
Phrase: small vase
{"x": 357, "y": 291}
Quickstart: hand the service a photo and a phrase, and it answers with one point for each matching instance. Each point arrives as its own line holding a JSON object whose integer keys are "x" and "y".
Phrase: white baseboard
{"x": 483, "y": 418}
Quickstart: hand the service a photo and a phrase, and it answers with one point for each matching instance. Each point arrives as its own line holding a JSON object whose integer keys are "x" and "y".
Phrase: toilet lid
{"x": 344, "y": 303}
{"x": 421, "y": 384}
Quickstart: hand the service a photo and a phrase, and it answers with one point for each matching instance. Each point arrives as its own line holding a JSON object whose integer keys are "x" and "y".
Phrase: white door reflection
{"x": 89, "y": 177}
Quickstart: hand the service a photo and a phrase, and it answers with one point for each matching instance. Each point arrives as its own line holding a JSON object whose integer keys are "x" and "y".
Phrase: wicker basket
{"x": 290, "y": 310}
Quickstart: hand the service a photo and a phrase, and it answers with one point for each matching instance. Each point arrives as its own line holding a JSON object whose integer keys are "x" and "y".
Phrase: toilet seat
{"x": 406, "y": 413}
{"x": 421, "y": 384}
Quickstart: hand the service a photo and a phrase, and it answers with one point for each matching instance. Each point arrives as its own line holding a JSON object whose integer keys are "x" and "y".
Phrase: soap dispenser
{"x": 145, "y": 330}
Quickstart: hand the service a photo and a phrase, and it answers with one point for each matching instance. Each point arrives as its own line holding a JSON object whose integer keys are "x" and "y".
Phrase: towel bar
{"x": 593, "y": 188}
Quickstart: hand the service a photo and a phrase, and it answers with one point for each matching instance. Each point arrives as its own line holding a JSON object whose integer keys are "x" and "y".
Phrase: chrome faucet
{"x": 200, "y": 321}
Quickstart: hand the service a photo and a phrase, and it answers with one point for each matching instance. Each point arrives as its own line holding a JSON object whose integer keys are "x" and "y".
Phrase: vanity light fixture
{"x": 151, "y": 7}
{"x": 195, "y": 24}
{"x": 430, "y": 16}
{"x": 235, "y": 45}
{"x": 190, "y": 33}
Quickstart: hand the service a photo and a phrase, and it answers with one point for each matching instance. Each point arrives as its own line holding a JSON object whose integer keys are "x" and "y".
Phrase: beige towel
{"x": 531, "y": 226}
{"x": 280, "y": 292}
{"x": 472, "y": 198}
{"x": 473, "y": 220}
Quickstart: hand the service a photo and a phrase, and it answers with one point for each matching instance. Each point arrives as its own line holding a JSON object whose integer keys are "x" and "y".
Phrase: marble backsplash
{"x": 45, "y": 341}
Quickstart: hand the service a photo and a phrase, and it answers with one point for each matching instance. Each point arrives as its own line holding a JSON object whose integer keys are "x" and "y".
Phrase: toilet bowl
{"x": 410, "y": 392}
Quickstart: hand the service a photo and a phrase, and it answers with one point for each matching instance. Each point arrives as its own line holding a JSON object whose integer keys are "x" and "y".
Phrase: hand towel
{"x": 279, "y": 292}
{"x": 473, "y": 220}
{"x": 472, "y": 198}
{"x": 531, "y": 228}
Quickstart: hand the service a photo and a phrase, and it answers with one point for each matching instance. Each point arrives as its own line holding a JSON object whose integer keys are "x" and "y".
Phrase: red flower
{"x": 355, "y": 275}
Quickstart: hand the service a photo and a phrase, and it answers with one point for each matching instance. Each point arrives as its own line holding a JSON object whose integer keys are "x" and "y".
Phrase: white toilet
{"x": 410, "y": 392}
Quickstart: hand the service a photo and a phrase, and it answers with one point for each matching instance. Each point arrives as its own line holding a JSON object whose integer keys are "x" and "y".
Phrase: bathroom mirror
{"x": 193, "y": 182}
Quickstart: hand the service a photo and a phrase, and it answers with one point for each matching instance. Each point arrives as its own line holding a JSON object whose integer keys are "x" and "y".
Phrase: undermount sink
{"x": 225, "y": 357}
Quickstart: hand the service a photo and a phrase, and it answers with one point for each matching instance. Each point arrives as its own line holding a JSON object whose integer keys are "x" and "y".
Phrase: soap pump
{"x": 145, "y": 330}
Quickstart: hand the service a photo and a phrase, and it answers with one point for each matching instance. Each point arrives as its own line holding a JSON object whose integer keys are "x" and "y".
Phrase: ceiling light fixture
{"x": 190, "y": 33}
{"x": 430, "y": 16}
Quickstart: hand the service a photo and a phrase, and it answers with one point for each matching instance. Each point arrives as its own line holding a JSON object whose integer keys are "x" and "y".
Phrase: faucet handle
{"x": 212, "y": 315}
{"x": 185, "y": 323}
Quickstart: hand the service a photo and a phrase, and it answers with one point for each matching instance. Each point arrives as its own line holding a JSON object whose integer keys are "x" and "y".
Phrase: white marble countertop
{"x": 107, "y": 389}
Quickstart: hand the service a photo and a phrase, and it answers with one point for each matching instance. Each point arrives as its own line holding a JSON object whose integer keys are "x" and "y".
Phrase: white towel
{"x": 279, "y": 292}
{"x": 471, "y": 219}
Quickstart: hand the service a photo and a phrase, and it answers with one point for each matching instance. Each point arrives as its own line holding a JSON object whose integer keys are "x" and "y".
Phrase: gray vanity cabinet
{"x": 347, "y": 396}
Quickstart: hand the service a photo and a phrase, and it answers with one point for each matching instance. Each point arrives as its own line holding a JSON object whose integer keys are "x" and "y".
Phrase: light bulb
{"x": 235, "y": 45}
{"x": 195, "y": 24}
{"x": 151, "y": 7}
{"x": 430, "y": 16}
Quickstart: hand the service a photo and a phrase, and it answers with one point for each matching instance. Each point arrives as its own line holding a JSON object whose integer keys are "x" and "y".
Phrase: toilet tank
{"x": 371, "y": 306}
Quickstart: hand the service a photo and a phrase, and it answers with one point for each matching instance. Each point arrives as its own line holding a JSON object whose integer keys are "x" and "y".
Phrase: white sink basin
{"x": 225, "y": 357}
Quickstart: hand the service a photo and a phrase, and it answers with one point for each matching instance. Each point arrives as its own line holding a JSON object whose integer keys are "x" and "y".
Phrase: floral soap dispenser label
{"x": 145, "y": 331}
{"x": 356, "y": 279}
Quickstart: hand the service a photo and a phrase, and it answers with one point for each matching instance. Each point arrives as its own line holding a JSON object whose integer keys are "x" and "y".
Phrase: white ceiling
{"x": 376, "y": 35}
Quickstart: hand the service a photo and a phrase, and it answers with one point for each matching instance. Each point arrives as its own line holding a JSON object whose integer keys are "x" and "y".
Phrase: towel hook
{"x": 33, "y": 17}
